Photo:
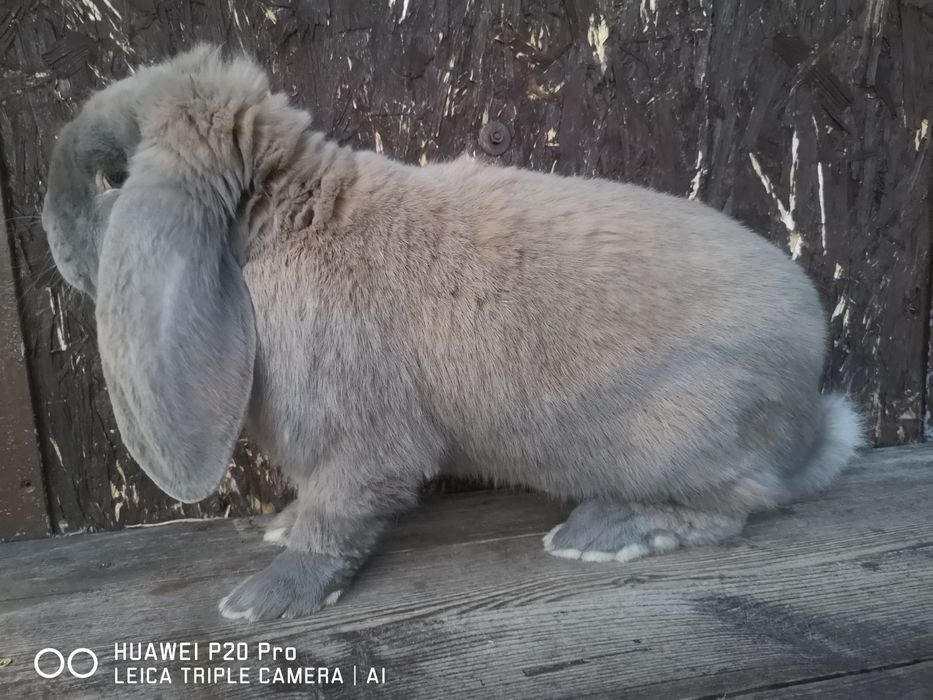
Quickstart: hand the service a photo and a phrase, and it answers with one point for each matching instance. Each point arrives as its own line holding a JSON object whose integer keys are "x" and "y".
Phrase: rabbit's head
{"x": 144, "y": 191}
{"x": 89, "y": 164}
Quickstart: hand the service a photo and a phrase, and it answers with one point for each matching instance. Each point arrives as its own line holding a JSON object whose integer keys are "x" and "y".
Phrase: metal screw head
{"x": 494, "y": 138}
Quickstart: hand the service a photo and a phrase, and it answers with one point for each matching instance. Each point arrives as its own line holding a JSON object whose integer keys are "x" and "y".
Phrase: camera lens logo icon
{"x": 62, "y": 663}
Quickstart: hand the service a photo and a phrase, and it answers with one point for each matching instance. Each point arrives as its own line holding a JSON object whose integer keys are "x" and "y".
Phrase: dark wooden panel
{"x": 22, "y": 491}
{"x": 802, "y": 119}
{"x": 461, "y": 601}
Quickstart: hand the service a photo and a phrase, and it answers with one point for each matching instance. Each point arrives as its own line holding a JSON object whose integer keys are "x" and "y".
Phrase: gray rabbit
{"x": 369, "y": 321}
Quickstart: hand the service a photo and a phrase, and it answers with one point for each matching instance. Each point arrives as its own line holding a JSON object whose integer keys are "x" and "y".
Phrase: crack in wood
{"x": 813, "y": 679}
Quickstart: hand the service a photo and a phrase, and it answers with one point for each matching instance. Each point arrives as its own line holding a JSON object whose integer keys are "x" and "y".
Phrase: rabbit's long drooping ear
{"x": 175, "y": 321}
{"x": 177, "y": 337}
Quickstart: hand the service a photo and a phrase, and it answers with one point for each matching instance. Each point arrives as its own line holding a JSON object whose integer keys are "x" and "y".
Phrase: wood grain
{"x": 23, "y": 511}
{"x": 834, "y": 596}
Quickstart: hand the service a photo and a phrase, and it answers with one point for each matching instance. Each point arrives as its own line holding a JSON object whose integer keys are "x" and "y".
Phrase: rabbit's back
{"x": 575, "y": 335}
{"x": 575, "y": 326}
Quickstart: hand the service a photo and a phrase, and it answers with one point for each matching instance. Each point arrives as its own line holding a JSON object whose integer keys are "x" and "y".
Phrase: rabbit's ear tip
{"x": 201, "y": 484}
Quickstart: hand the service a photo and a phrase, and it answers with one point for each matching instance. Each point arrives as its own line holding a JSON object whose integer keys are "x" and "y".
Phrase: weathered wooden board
{"x": 910, "y": 681}
{"x": 61, "y": 566}
{"x": 833, "y": 596}
{"x": 23, "y": 510}
{"x": 809, "y": 121}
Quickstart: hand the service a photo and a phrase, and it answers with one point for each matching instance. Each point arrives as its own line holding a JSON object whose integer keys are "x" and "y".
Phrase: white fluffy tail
{"x": 842, "y": 435}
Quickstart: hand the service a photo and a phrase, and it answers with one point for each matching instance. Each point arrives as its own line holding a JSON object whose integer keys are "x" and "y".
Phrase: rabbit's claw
{"x": 295, "y": 584}
{"x": 600, "y": 531}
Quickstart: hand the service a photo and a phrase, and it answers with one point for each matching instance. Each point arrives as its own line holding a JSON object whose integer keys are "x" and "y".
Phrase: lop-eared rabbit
{"x": 369, "y": 322}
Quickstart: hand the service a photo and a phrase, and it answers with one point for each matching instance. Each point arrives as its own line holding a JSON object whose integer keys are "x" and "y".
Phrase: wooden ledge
{"x": 833, "y": 597}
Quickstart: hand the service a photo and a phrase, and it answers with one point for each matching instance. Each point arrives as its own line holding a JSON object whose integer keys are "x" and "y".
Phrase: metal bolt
{"x": 494, "y": 138}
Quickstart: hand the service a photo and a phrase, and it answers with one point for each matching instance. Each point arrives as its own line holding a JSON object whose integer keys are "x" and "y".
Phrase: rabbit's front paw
{"x": 295, "y": 584}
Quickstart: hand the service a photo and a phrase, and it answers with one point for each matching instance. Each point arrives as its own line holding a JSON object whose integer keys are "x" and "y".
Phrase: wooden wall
{"x": 809, "y": 121}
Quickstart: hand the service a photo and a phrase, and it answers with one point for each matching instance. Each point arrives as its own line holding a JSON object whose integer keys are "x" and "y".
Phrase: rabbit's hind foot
{"x": 604, "y": 530}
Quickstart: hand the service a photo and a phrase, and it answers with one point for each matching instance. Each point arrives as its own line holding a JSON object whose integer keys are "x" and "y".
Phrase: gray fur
{"x": 295, "y": 584}
{"x": 595, "y": 340}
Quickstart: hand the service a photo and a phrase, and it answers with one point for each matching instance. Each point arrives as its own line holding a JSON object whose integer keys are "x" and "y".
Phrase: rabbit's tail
{"x": 841, "y": 436}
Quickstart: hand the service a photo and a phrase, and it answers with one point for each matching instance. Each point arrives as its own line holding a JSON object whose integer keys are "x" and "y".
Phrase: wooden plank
{"x": 835, "y": 588}
{"x": 912, "y": 681}
{"x": 23, "y": 510}
{"x": 163, "y": 553}
{"x": 811, "y": 153}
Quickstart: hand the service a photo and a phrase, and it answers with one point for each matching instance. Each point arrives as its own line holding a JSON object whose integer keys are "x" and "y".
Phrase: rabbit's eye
{"x": 101, "y": 182}
{"x": 116, "y": 178}
{"x": 109, "y": 181}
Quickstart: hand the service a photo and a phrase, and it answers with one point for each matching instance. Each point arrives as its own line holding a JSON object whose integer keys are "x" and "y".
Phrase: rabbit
{"x": 372, "y": 324}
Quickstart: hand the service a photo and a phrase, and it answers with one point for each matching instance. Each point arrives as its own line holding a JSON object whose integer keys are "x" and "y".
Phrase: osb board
{"x": 805, "y": 120}
{"x": 22, "y": 491}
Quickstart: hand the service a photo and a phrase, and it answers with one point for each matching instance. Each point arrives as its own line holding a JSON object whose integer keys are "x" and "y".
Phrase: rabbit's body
{"x": 372, "y": 321}
{"x": 584, "y": 337}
